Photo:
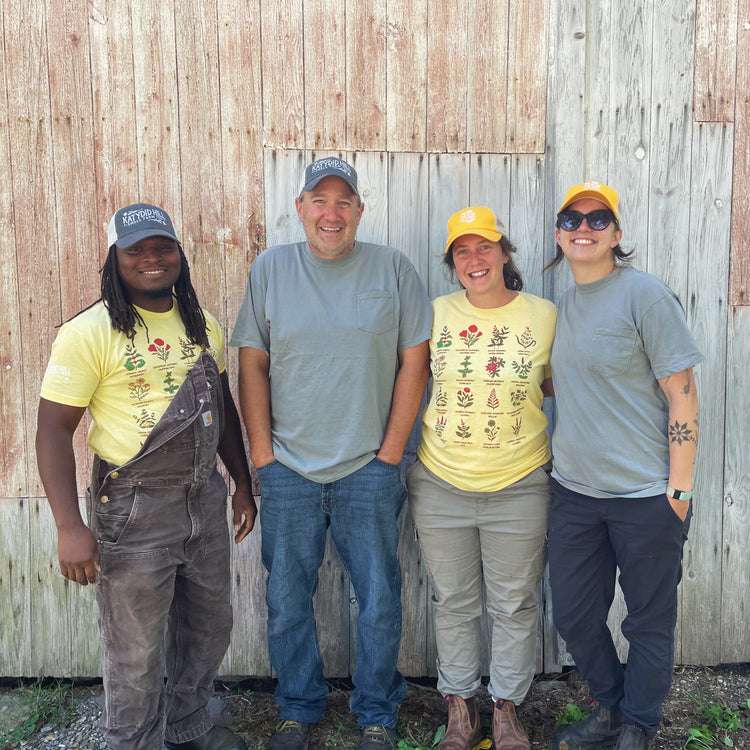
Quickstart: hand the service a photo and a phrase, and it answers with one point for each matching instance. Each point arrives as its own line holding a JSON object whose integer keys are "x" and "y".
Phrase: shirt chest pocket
{"x": 612, "y": 351}
{"x": 376, "y": 311}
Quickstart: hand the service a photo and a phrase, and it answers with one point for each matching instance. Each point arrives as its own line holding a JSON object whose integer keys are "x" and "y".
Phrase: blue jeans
{"x": 589, "y": 538}
{"x": 362, "y": 510}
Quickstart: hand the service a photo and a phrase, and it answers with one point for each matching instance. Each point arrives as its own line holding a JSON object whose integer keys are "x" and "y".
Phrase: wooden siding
{"x": 213, "y": 109}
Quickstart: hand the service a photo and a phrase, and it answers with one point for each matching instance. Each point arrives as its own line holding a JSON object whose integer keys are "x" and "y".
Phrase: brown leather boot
{"x": 464, "y": 726}
{"x": 506, "y": 728}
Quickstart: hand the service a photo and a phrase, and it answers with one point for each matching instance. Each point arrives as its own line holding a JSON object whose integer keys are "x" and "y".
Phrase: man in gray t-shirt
{"x": 333, "y": 362}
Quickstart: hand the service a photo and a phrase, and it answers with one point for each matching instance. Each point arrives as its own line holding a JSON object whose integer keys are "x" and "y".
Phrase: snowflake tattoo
{"x": 679, "y": 433}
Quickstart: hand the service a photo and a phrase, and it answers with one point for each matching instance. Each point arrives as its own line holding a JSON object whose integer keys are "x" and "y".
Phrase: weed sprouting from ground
{"x": 715, "y": 724}
{"x": 44, "y": 702}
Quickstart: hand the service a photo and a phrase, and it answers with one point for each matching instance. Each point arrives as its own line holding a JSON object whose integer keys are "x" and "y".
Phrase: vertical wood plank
{"x": 372, "y": 176}
{"x": 113, "y": 89}
{"x": 739, "y": 280}
{"x": 528, "y": 224}
{"x": 671, "y": 136}
{"x": 716, "y": 58}
{"x": 156, "y": 104}
{"x": 735, "y": 598}
{"x": 527, "y": 86}
{"x": 16, "y": 637}
{"x": 324, "y": 24}
{"x": 283, "y": 74}
{"x": 200, "y": 150}
{"x": 487, "y": 84}
{"x": 12, "y": 436}
{"x": 408, "y": 215}
{"x": 366, "y": 81}
{"x": 449, "y": 192}
{"x": 630, "y": 136}
{"x": 52, "y": 632}
{"x": 32, "y": 184}
{"x": 284, "y": 176}
{"x": 72, "y": 137}
{"x": 406, "y": 96}
{"x": 710, "y": 199}
{"x": 446, "y": 75}
{"x": 566, "y": 123}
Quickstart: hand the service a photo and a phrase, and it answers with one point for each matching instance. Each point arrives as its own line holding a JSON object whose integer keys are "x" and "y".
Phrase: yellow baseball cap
{"x": 474, "y": 220}
{"x": 596, "y": 190}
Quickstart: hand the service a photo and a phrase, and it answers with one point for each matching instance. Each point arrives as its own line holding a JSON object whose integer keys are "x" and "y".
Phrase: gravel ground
{"x": 248, "y": 707}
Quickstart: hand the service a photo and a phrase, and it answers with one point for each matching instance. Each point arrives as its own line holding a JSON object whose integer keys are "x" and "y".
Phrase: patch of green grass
{"x": 43, "y": 703}
{"x": 571, "y": 715}
{"x": 716, "y": 723}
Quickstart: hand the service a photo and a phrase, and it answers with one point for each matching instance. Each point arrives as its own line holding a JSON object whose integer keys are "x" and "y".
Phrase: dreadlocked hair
{"x": 124, "y": 316}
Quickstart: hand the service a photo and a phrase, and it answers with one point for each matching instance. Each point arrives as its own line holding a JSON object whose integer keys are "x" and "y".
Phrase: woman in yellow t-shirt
{"x": 479, "y": 492}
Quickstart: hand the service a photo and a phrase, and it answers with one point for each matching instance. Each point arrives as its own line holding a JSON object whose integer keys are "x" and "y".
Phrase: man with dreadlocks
{"x": 148, "y": 364}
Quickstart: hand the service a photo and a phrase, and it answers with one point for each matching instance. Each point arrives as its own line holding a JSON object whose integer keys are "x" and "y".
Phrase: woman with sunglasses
{"x": 624, "y": 448}
{"x": 479, "y": 493}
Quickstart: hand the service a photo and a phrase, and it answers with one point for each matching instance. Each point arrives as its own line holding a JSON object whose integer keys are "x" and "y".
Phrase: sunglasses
{"x": 597, "y": 220}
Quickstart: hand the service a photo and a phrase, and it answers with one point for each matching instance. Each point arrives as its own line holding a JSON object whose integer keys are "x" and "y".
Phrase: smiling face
{"x": 149, "y": 269}
{"x": 330, "y": 215}
{"x": 479, "y": 267}
{"x": 589, "y": 253}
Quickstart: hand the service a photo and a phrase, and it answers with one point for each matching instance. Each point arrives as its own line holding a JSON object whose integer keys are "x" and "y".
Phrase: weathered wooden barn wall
{"x": 213, "y": 108}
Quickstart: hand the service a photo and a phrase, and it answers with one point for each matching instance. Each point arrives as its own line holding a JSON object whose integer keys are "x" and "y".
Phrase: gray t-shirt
{"x": 615, "y": 337}
{"x": 332, "y": 330}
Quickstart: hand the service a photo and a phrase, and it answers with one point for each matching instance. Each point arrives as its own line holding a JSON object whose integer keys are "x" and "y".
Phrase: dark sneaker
{"x": 378, "y": 738}
{"x": 290, "y": 735}
{"x": 601, "y": 728}
{"x": 216, "y": 738}
{"x": 632, "y": 737}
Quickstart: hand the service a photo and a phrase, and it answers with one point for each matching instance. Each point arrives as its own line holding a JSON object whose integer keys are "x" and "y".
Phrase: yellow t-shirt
{"x": 484, "y": 427}
{"x": 126, "y": 385}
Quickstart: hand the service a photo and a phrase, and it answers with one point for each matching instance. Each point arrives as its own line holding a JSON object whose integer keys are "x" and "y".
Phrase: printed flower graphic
{"x": 463, "y": 430}
{"x": 187, "y": 348}
{"x": 438, "y": 365}
{"x": 160, "y": 349}
{"x": 465, "y": 397}
{"x": 133, "y": 358}
{"x": 139, "y": 389}
{"x": 470, "y": 335}
{"x": 465, "y": 368}
{"x": 526, "y": 340}
{"x": 517, "y": 426}
{"x": 492, "y": 400}
{"x": 494, "y": 366}
{"x": 498, "y": 336}
{"x": 491, "y": 429}
{"x": 522, "y": 368}
{"x": 517, "y": 397}
{"x": 445, "y": 339}
{"x": 441, "y": 397}
{"x": 440, "y": 426}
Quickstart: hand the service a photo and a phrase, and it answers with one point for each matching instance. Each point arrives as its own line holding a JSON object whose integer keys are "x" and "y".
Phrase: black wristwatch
{"x": 679, "y": 494}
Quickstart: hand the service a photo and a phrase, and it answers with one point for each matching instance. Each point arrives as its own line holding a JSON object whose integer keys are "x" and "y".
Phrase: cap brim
{"x": 133, "y": 237}
{"x": 486, "y": 233}
{"x": 315, "y": 180}
{"x": 594, "y": 195}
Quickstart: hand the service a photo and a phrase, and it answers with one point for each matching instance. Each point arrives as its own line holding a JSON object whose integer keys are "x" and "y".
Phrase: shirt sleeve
{"x": 667, "y": 340}
{"x": 74, "y": 370}
{"x": 251, "y": 328}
